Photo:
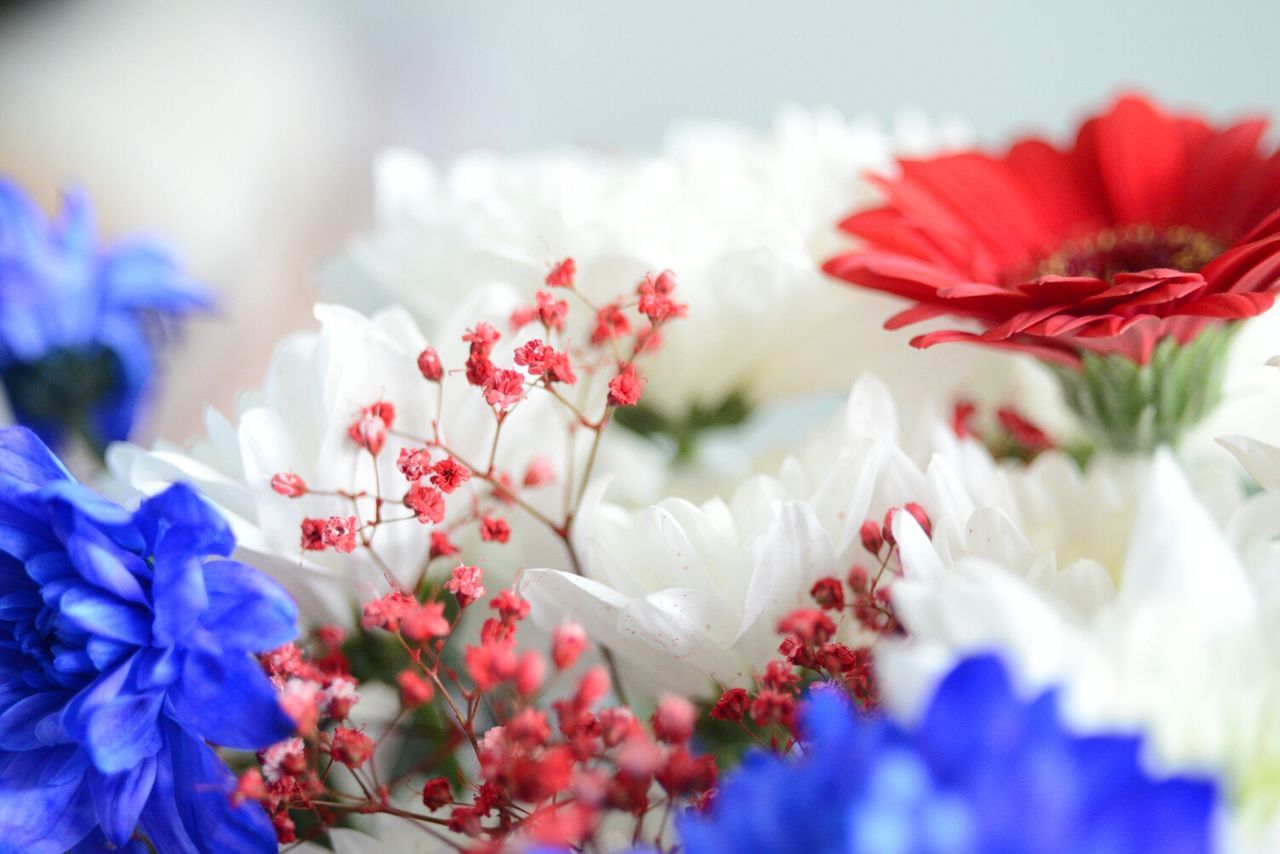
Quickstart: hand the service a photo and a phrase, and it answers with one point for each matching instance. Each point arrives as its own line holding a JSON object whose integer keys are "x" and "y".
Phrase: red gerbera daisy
{"x": 1150, "y": 227}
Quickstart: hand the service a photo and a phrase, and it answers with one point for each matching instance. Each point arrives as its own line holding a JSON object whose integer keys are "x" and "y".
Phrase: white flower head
{"x": 743, "y": 219}
{"x": 298, "y": 423}
{"x": 688, "y": 596}
{"x": 1167, "y": 635}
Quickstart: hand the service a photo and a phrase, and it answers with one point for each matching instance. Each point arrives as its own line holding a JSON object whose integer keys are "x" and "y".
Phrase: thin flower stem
{"x": 493, "y": 449}
{"x": 586, "y": 470}
{"x": 463, "y": 726}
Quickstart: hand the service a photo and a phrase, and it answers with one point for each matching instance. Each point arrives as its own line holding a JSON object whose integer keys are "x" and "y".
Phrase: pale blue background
{"x": 618, "y": 72}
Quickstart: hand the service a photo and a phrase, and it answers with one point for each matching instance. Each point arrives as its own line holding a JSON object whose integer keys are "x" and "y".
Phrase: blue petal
{"x": 119, "y": 799}
{"x": 121, "y": 733}
{"x": 23, "y": 604}
{"x": 22, "y": 224}
{"x": 96, "y": 843}
{"x": 71, "y": 504}
{"x": 24, "y": 534}
{"x": 44, "y": 820}
{"x": 228, "y": 700}
{"x": 141, "y": 274}
{"x": 73, "y": 233}
{"x": 52, "y": 766}
{"x": 104, "y": 564}
{"x": 50, "y": 566}
{"x": 190, "y": 808}
{"x": 26, "y": 463}
{"x": 18, "y": 722}
{"x": 972, "y": 710}
{"x": 180, "y": 597}
{"x": 105, "y": 653}
{"x": 247, "y": 610}
{"x": 105, "y": 615}
{"x": 157, "y": 668}
{"x": 180, "y": 521}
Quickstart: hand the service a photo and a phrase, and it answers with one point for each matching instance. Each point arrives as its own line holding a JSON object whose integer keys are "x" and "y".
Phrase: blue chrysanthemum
{"x": 983, "y": 771}
{"x": 125, "y": 646}
{"x": 79, "y": 324}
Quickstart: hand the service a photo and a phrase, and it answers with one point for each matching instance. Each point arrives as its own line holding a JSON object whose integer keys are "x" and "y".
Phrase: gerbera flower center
{"x": 1129, "y": 249}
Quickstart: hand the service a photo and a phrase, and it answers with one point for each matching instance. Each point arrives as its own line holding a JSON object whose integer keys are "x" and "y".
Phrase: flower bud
{"x": 872, "y": 541}
{"x": 289, "y": 485}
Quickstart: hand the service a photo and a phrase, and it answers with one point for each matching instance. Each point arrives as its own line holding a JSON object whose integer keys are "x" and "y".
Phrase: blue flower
{"x": 125, "y": 646}
{"x": 983, "y": 771}
{"x": 80, "y": 325}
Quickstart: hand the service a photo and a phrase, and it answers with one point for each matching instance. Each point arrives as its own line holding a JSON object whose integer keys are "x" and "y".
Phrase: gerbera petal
{"x": 1141, "y": 158}
{"x": 989, "y": 198}
{"x": 1042, "y": 349}
{"x": 1214, "y": 172}
{"x": 1232, "y": 306}
{"x": 894, "y": 274}
{"x": 1066, "y": 289}
{"x": 1020, "y": 322}
{"x": 892, "y": 230}
{"x": 915, "y": 314}
{"x": 1070, "y": 198}
{"x": 1250, "y": 267}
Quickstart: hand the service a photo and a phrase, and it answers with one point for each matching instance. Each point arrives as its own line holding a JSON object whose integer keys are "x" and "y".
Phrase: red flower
{"x": 504, "y": 389}
{"x": 1150, "y": 226}
{"x": 625, "y": 388}
{"x": 426, "y": 503}
{"x": 369, "y": 430}
{"x": 562, "y": 274}
{"x": 448, "y": 474}
{"x": 466, "y": 584}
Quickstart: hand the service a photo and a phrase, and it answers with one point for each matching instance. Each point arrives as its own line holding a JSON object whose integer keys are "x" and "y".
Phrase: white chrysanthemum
{"x": 743, "y": 219}
{"x": 1162, "y": 622}
{"x": 1259, "y": 458}
{"x": 298, "y": 423}
{"x": 688, "y": 595}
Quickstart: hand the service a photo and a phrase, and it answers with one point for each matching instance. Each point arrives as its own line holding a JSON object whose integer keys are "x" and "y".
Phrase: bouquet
{"x": 608, "y": 508}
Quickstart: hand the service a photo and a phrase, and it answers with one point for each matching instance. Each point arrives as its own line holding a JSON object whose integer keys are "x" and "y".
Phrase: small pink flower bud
{"x": 567, "y": 643}
{"x": 429, "y": 365}
{"x": 289, "y": 485}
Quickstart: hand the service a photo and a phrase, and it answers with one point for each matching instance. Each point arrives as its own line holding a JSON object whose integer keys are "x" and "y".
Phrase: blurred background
{"x": 244, "y": 131}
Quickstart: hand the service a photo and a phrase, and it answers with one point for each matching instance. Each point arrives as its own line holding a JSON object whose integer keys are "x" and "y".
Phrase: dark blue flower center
{"x": 64, "y": 385}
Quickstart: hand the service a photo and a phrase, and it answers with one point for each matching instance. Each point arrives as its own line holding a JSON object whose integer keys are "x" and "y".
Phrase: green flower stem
{"x": 1132, "y": 408}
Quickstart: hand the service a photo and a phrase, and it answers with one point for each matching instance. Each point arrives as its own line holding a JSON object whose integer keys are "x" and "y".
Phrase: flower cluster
{"x": 810, "y": 646}
{"x": 433, "y": 470}
{"x": 744, "y": 216}
{"x": 1150, "y": 226}
{"x": 983, "y": 770}
{"x": 128, "y": 641}
{"x": 557, "y": 777}
{"x": 79, "y": 324}
{"x": 1151, "y": 232}
{"x": 959, "y": 627}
